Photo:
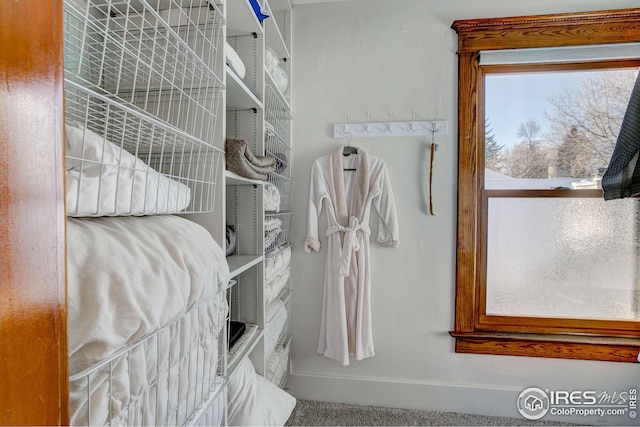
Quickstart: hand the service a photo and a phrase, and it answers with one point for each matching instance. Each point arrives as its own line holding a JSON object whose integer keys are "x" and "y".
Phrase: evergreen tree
{"x": 493, "y": 158}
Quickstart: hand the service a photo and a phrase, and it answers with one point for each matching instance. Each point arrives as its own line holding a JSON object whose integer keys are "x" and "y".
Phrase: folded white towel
{"x": 272, "y": 223}
{"x": 270, "y": 239}
{"x": 275, "y": 265}
{"x": 273, "y": 288}
{"x": 271, "y": 197}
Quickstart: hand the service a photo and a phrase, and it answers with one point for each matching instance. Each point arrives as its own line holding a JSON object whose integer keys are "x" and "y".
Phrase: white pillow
{"x": 234, "y": 61}
{"x": 255, "y": 401}
{"x": 110, "y": 181}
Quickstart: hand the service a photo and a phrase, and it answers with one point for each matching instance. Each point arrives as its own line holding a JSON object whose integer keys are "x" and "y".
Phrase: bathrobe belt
{"x": 351, "y": 242}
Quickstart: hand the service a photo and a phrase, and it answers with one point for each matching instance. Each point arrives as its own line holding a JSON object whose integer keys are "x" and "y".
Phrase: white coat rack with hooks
{"x": 368, "y": 129}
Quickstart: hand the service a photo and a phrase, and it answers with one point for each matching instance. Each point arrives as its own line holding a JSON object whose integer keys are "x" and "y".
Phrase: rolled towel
{"x": 240, "y": 160}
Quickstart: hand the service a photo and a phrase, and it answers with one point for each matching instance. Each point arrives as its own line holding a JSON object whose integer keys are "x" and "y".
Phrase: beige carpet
{"x": 312, "y": 413}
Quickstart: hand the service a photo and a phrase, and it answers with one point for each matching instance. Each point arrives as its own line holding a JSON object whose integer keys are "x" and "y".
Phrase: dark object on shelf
{"x": 231, "y": 238}
{"x": 236, "y": 329}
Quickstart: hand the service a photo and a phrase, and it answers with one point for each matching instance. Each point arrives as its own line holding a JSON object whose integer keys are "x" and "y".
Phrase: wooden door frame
{"x": 33, "y": 323}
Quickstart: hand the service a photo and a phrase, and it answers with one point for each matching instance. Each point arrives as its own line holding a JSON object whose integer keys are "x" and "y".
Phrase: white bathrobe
{"x": 347, "y": 197}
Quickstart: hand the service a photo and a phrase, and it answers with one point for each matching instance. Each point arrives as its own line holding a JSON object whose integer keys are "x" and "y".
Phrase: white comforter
{"x": 129, "y": 276}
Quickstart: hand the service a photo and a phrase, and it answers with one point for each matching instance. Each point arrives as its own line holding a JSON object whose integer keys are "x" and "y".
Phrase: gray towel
{"x": 240, "y": 160}
{"x": 622, "y": 178}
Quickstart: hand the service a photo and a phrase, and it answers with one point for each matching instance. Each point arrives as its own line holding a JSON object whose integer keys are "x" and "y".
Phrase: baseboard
{"x": 425, "y": 396}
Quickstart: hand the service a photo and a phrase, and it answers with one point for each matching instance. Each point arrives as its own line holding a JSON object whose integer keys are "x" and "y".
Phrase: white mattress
{"x": 127, "y": 278}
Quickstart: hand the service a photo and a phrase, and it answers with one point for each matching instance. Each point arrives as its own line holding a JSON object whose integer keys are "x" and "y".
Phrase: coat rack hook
{"x": 412, "y": 125}
{"x": 367, "y": 127}
{"x": 434, "y": 127}
{"x": 389, "y": 125}
{"x": 345, "y": 128}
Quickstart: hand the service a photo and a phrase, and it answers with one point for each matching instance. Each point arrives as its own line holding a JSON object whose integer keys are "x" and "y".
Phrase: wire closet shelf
{"x": 145, "y": 79}
{"x": 278, "y": 145}
{"x": 177, "y": 385}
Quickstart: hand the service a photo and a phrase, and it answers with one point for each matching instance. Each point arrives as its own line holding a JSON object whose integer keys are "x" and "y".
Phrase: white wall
{"x": 374, "y": 56}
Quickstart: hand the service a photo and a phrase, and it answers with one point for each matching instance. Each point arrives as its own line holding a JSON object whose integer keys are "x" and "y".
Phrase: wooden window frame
{"x": 522, "y": 336}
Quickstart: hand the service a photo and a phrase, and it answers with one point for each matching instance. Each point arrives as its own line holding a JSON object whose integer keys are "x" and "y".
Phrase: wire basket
{"x": 277, "y": 370}
{"x": 277, "y": 114}
{"x": 157, "y": 382}
{"x": 281, "y": 178}
{"x": 277, "y": 322}
{"x": 123, "y": 162}
{"x": 277, "y": 231}
{"x": 164, "y": 59}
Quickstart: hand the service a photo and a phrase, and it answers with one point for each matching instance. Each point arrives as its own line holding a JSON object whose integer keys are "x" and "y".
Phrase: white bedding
{"x": 159, "y": 381}
{"x": 110, "y": 181}
{"x": 254, "y": 401}
{"x": 127, "y": 277}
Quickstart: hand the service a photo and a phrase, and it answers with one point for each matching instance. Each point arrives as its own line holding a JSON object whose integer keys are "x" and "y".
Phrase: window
{"x": 545, "y": 267}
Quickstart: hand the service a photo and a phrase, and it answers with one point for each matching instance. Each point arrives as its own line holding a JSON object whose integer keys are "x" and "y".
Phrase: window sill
{"x": 549, "y": 345}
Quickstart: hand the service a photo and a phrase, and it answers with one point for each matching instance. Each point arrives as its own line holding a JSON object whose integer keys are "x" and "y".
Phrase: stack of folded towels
{"x": 240, "y": 160}
{"x": 272, "y": 229}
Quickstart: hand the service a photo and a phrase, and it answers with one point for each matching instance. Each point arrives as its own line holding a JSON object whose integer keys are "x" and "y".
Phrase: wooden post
{"x": 33, "y": 331}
